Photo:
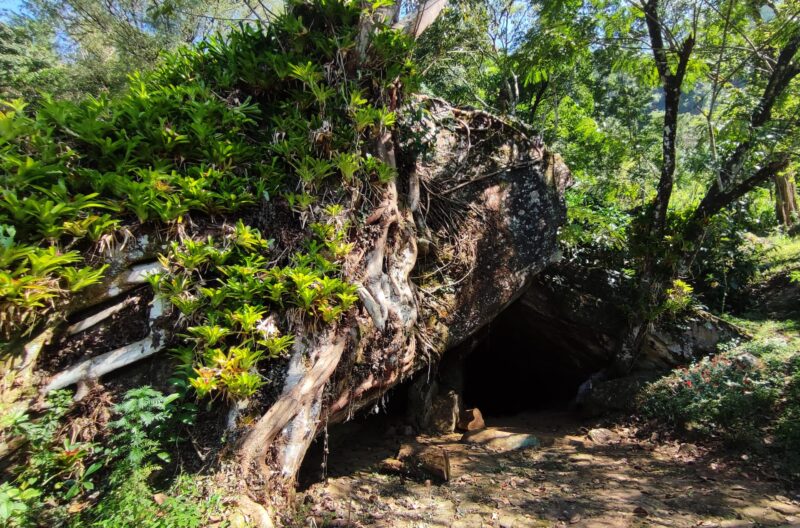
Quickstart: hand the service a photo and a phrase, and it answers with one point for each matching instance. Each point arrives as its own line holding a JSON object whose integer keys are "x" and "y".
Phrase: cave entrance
{"x": 518, "y": 363}
{"x": 522, "y": 371}
{"x": 516, "y": 370}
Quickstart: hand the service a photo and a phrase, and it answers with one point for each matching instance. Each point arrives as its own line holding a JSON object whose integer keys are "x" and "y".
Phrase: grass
{"x": 759, "y": 329}
{"x": 781, "y": 255}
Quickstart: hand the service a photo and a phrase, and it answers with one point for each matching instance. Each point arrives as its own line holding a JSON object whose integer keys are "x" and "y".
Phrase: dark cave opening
{"x": 516, "y": 364}
{"x": 521, "y": 366}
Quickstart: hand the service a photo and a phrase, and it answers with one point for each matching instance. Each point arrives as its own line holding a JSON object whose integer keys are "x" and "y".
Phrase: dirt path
{"x": 570, "y": 480}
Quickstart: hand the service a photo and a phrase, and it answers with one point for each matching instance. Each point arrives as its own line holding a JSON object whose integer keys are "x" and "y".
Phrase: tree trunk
{"x": 785, "y": 200}
{"x": 652, "y": 278}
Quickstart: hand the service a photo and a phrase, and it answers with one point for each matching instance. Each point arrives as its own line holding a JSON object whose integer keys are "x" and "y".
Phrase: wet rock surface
{"x": 569, "y": 480}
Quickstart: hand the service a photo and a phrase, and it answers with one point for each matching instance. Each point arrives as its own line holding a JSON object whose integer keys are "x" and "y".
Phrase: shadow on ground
{"x": 568, "y": 481}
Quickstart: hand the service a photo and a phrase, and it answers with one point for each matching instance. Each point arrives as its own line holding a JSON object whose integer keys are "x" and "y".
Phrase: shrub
{"x": 131, "y": 503}
{"x": 742, "y": 395}
{"x": 57, "y": 469}
{"x": 234, "y": 299}
{"x": 217, "y": 127}
{"x": 59, "y": 473}
{"x": 678, "y": 299}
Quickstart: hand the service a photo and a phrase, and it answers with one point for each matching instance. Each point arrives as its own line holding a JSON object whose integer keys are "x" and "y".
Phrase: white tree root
{"x": 101, "y": 316}
{"x": 132, "y": 277}
{"x": 290, "y": 425}
{"x": 93, "y": 368}
{"x": 326, "y": 351}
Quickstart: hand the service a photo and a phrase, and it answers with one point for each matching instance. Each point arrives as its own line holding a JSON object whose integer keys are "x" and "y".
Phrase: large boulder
{"x": 468, "y": 223}
{"x": 487, "y": 201}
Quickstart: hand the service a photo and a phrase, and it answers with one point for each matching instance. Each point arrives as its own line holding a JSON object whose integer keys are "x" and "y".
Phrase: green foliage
{"x": 14, "y": 503}
{"x": 743, "y": 395}
{"x": 58, "y": 163}
{"x": 236, "y": 300}
{"x": 61, "y": 471}
{"x": 78, "y": 47}
{"x": 726, "y": 269}
{"x": 145, "y": 416}
{"x": 57, "y": 468}
{"x": 145, "y": 425}
{"x": 678, "y": 298}
{"x": 28, "y": 57}
{"x": 282, "y": 116}
{"x": 316, "y": 129}
{"x": 130, "y": 504}
{"x": 183, "y": 140}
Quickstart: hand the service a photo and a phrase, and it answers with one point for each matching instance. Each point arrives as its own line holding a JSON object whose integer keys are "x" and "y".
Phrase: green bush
{"x": 725, "y": 269}
{"x": 56, "y": 483}
{"x": 131, "y": 503}
{"x": 144, "y": 428}
{"x": 69, "y": 167}
{"x": 678, "y": 298}
{"x": 743, "y": 395}
{"x": 57, "y": 469}
{"x": 234, "y": 297}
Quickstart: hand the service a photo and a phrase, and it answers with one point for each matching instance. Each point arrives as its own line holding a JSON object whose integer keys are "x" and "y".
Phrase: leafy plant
{"x": 236, "y": 332}
{"x": 142, "y": 426}
{"x": 742, "y": 394}
{"x": 679, "y": 298}
{"x": 14, "y": 503}
{"x": 57, "y": 468}
{"x": 184, "y": 149}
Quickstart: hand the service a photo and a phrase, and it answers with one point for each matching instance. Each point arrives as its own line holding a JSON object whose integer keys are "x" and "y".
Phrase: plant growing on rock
{"x": 236, "y": 302}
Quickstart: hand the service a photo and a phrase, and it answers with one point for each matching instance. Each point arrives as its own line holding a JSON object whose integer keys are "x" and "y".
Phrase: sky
{"x": 10, "y": 5}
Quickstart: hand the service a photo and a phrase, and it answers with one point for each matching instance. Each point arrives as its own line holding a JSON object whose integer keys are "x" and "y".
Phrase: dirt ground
{"x": 619, "y": 479}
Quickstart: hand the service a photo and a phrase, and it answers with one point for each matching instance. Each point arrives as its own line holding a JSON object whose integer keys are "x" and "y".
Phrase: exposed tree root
{"x": 293, "y": 417}
{"x": 287, "y": 429}
{"x": 101, "y": 316}
{"x": 93, "y": 368}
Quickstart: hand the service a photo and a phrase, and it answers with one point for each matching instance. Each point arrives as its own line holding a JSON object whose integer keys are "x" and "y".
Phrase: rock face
{"x": 489, "y": 210}
{"x": 471, "y": 420}
{"x": 584, "y": 308}
{"x": 501, "y": 440}
{"x": 486, "y": 202}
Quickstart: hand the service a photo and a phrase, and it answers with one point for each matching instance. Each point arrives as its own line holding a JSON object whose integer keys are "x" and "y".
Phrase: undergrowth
{"x": 747, "y": 395}
{"x": 67, "y": 480}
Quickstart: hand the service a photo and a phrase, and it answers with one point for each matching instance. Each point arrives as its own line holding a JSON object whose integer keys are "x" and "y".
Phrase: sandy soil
{"x": 570, "y": 480}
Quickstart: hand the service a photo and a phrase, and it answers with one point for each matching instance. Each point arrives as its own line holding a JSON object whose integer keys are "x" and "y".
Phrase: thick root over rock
{"x": 284, "y": 433}
{"x": 510, "y": 206}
